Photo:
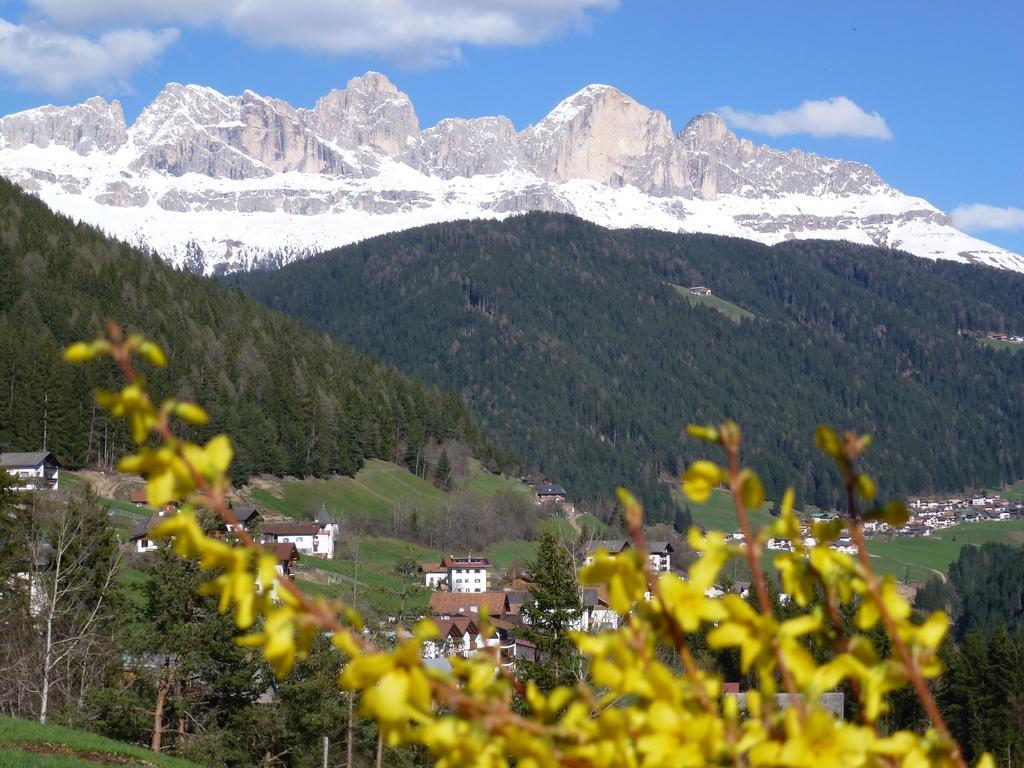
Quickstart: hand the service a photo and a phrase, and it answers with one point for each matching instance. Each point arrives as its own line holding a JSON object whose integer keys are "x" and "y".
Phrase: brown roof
{"x": 284, "y": 552}
{"x": 142, "y": 529}
{"x": 432, "y": 568}
{"x": 449, "y": 561}
{"x": 459, "y": 624}
{"x": 454, "y": 603}
{"x": 292, "y": 529}
{"x": 139, "y": 497}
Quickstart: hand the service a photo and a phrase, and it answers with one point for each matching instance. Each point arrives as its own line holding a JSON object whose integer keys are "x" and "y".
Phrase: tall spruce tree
{"x": 552, "y": 612}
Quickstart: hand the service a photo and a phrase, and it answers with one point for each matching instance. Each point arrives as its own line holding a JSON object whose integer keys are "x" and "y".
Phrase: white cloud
{"x": 985, "y": 218}
{"x": 41, "y": 58}
{"x": 838, "y": 116}
{"x": 412, "y": 31}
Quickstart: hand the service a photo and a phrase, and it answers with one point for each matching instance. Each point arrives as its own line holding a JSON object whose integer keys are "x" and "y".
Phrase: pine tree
{"x": 552, "y": 612}
{"x": 442, "y": 474}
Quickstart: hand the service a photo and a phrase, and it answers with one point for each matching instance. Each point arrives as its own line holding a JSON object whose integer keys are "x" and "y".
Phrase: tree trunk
{"x": 158, "y": 711}
{"x": 348, "y": 745}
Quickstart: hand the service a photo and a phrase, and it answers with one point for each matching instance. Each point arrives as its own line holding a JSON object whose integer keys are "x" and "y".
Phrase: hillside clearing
{"x": 28, "y": 744}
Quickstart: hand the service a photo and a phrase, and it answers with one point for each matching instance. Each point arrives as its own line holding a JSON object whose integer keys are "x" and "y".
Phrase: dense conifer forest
{"x": 571, "y": 345}
{"x": 293, "y": 401}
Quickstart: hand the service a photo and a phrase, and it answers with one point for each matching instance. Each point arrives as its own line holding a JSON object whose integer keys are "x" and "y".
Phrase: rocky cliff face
{"x": 225, "y": 182}
{"x": 93, "y": 125}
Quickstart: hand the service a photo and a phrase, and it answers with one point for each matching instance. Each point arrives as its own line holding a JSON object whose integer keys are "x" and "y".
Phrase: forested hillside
{"x": 294, "y": 401}
{"x": 571, "y": 343}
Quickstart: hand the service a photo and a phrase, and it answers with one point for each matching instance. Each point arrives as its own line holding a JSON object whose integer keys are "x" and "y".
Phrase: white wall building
{"x": 35, "y": 471}
{"x": 466, "y": 574}
{"x": 309, "y": 538}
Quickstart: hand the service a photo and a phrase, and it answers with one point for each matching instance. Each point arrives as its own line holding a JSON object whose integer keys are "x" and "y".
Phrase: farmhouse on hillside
{"x": 34, "y": 471}
{"x": 659, "y": 552}
{"x": 143, "y": 541}
{"x": 550, "y": 493}
{"x": 309, "y": 538}
{"x": 246, "y": 515}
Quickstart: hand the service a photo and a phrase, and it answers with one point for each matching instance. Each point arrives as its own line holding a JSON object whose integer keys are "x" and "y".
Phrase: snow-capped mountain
{"x": 225, "y": 182}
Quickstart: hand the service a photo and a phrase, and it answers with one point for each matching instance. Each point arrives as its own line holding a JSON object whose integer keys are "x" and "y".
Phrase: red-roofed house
{"x": 448, "y": 604}
{"x": 457, "y": 574}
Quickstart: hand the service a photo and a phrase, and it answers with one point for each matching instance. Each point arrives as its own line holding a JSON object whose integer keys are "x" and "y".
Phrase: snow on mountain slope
{"x": 217, "y": 182}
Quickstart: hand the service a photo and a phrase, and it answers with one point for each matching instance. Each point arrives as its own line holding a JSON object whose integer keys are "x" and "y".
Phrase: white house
{"x": 434, "y": 576}
{"x": 660, "y": 556}
{"x": 246, "y": 515}
{"x": 141, "y": 536}
{"x": 466, "y": 574}
{"x": 611, "y": 546}
{"x": 457, "y": 636}
{"x": 35, "y": 471}
{"x": 309, "y": 538}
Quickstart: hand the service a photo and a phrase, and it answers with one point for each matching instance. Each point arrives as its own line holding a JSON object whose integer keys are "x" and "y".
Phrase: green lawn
{"x": 53, "y": 746}
{"x": 717, "y": 514}
{"x": 938, "y": 551}
{"x": 1015, "y": 492}
{"x": 727, "y": 308}
{"x": 486, "y": 484}
{"x": 1009, "y": 346}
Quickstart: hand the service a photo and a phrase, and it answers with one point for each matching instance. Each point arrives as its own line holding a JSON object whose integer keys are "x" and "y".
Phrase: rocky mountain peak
{"x": 373, "y": 82}
{"x": 369, "y": 111}
{"x": 96, "y": 124}
{"x": 597, "y": 133}
{"x": 226, "y": 181}
{"x": 705, "y": 130}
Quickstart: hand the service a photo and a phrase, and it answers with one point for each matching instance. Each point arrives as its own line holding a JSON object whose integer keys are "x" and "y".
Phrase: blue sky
{"x": 934, "y": 89}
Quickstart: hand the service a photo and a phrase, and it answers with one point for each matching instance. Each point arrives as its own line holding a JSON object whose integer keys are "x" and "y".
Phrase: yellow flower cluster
{"x": 635, "y": 709}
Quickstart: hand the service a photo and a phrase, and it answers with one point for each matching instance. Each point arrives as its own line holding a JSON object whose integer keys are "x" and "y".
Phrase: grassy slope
{"x": 718, "y": 514}
{"x": 1009, "y": 346}
{"x": 727, "y": 308}
{"x": 1015, "y": 492}
{"x": 16, "y": 732}
{"x": 375, "y": 490}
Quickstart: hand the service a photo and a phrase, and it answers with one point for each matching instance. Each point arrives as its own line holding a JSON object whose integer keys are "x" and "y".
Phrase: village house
{"x": 309, "y": 538}
{"x": 287, "y": 555}
{"x": 611, "y": 546}
{"x": 435, "y": 576}
{"x": 550, "y": 493}
{"x": 700, "y": 290}
{"x": 597, "y": 613}
{"x": 141, "y": 539}
{"x": 33, "y": 471}
{"x": 457, "y": 574}
{"x": 449, "y": 604}
{"x": 327, "y": 520}
{"x": 659, "y": 552}
{"x": 247, "y": 516}
{"x": 660, "y": 556}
